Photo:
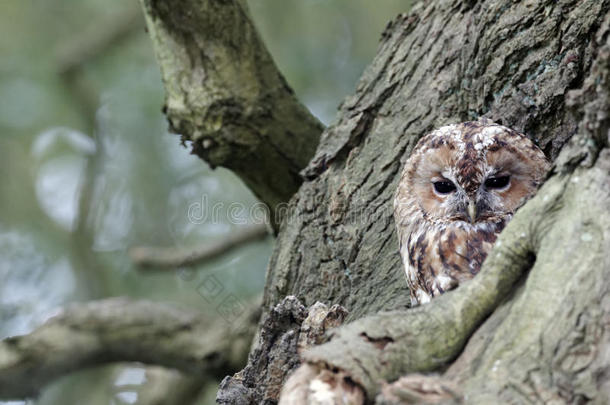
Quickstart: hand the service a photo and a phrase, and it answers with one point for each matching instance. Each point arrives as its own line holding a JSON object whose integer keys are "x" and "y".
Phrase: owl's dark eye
{"x": 497, "y": 182}
{"x": 444, "y": 187}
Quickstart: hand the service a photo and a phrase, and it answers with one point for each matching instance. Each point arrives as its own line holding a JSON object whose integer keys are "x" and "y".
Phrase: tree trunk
{"x": 533, "y": 326}
{"x": 446, "y": 62}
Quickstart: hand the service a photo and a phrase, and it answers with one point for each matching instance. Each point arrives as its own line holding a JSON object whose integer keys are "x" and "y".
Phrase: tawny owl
{"x": 459, "y": 188}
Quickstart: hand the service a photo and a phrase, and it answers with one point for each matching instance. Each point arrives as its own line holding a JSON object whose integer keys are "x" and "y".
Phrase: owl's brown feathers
{"x": 459, "y": 188}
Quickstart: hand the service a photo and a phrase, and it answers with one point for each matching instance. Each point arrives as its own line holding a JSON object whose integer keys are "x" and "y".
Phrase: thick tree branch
{"x": 169, "y": 258}
{"x": 118, "y": 330}
{"x": 225, "y": 94}
{"x": 538, "y": 343}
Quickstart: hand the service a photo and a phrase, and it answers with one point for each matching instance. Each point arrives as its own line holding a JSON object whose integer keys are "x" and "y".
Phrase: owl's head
{"x": 473, "y": 172}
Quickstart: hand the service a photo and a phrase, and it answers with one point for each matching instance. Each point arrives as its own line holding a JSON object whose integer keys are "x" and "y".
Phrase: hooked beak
{"x": 472, "y": 211}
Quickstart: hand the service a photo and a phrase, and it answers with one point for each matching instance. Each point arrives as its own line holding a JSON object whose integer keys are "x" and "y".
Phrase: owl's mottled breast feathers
{"x": 459, "y": 188}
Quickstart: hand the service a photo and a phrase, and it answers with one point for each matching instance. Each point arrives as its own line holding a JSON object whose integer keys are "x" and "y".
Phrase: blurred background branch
{"x": 118, "y": 330}
{"x": 148, "y": 257}
{"x": 100, "y": 38}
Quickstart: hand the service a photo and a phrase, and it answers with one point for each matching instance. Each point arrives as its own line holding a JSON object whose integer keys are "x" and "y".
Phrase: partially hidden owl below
{"x": 458, "y": 190}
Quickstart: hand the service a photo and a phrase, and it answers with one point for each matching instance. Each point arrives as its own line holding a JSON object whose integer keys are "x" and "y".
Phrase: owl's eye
{"x": 497, "y": 182}
{"x": 444, "y": 187}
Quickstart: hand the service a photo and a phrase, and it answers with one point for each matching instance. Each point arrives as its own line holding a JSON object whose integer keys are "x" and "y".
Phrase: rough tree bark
{"x": 446, "y": 61}
{"x": 451, "y": 61}
{"x": 225, "y": 95}
{"x": 534, "y": 325}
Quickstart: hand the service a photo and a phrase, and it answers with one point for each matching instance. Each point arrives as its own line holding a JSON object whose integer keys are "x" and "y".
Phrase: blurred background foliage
{"x": 88, "y": 168}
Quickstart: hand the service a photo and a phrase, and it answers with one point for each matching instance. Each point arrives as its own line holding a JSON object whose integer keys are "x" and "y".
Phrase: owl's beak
{"x": 472, "y": 211}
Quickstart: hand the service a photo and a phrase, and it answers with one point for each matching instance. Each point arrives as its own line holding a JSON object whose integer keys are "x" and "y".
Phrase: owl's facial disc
{"x": 473, "y": 174}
